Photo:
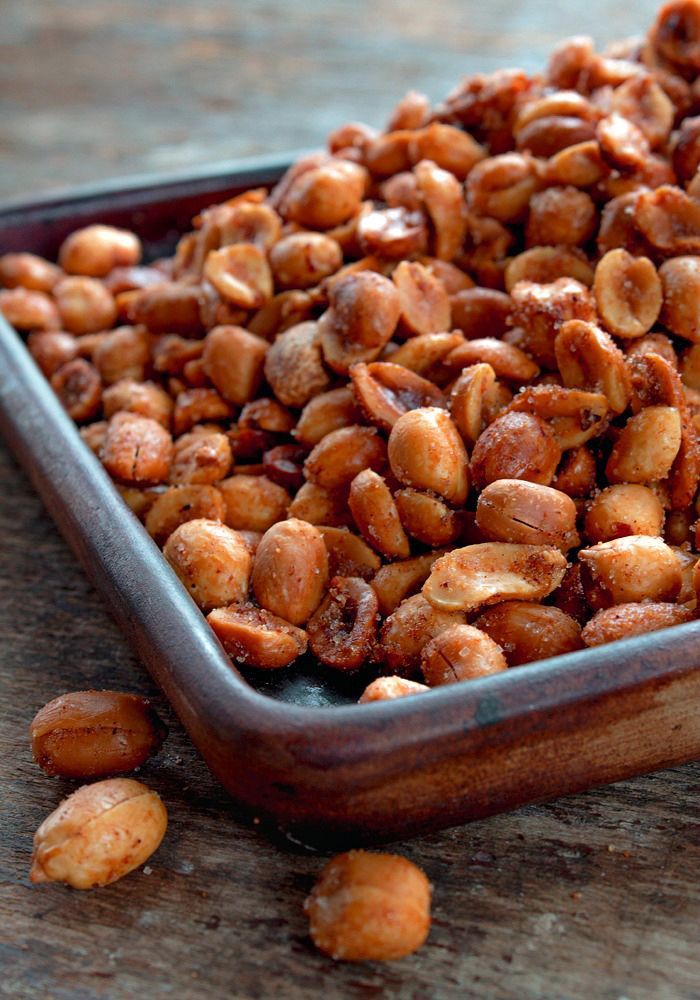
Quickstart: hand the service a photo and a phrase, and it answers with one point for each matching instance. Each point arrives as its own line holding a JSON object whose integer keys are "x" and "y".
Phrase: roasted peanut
{"x": 240, "y": 274}
{"x": 324, "y": 413}
{"x": 526, "y": 631}
{"x": 77, "y": 385}
{"x": 487, "y": 573}
{"x": 546, "y": 265}
{"x": 630, "y": 569}
{"x": 123, "y": 353}
{"x": 326, "y": 195}
{"x": 294, "y": 366}
{"x": 481, "y": 312}
{"x": 501, "y": 187}
{"x": 194, "y": 406}
{"x": 407, "y": 630}
{"x": 92, "y": 734}
{"x": 507, "y": 361}
{"x": 211, "y": 560}
{"x": 256, "y": 637}
{"x": 95, "y": 250}
{"x": 647, "y": 446}
{"x": 376, "y": 516}
{"x": 426, "y": 452}
{"x": 388, "y": 688}
{"x": 253, "y": 503}
{"x": 627, "y": 620}
{"x": 385, "y": 391}
{"x": 422, "y": 354}
{"x": 539, "y": 312}
{"x": 200, "y": 458}
{"x": 515, "y": 446}
{"x": 461, "y": 653}
{"x": 424, "y": 302}
{"x": 348, "y": 554}
{"x": 180, "y": 504}
{"x": 392, "y": 233}
{"x": 99, "y": 834}
{"x": 317, "y": 505}
{"x": 396, "y": 581}
{"x": 26, "y": 309}
{"x": 145, "y": 398}
{"x": 343, "y": 629}
{"x": 51, "y": 349}
{"x": 680, "y": 278}
{"x": 588, "y": 358}
{"x": 94, "y": 437}
{"x": 302, "y": 260}
{"x": 364, "y": 309}
{"x": 670, "y": 220}
{"x": 348, "y": 907}
{"x": 84, "y": 305}
{"x": 561, "y": 216}
{"x": 290, "y": 571}
{"x": 340, "y": 455}
{"x": 136, "y": 449}
{"x": 512, "y": 510}
{"x": 442, "y": 195}
{"x": 427, "y": 518}
{"x": 576, "y": 476}
{"x": 26, "y": 270}
{"x": 628, "y": 293}
{"x": 574, "y": 416}
{"x": 233, "y": 359}
{"x": 627, "y": 509}
{"x": 172, "y": 308}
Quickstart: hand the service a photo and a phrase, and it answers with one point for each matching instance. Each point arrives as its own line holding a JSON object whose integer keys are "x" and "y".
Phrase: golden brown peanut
{"x": 388, "y": 688}
{"x": 424, "y": 302}
{"x": 316, "y": 505}
{"x": 385, "y": 391}
{"x": 212, "y": 562}
{"x": 580, "y": 165}
{"x": 27, "y": 270}
{"x": 574, "y": 415}
{"x": 267, "y": 415}
{"x": 576, "y": 476}
{"x": 490, "y": 572}
{"x": 401, "y": 191}
{"x": 145, "y": 398}
{"x": 348, "y": 907}
{"x": 549, "y": 134}
{"x": 469, "y": 400}
{"x": 170, "y": 308}
{"x": 171, "y": 353}
{"x": 679, "y": 527}
{"x": 92, "y": 734}
{"x": 294, "y": 366}
{"x": 302, "y": 260}
{"x": 376, "y": 516}
{"x": 290, "y": 571}
{"x": 642, "y": 100}
{"x": 78, "y": 387}
{"x": 240, "y": 274}
{"x": 123, "y": 353}
{"x": 395, "y": 581}
{"x": 407, "y": 630}
{"x": 689, "y": 366}
{"x": 561, "y": 216}
{"x": 426, "y": 452}
{"x": 324, "y": 413}
{"x": 451, "y": 148}
{"x": 340, "y": 455}
{"x": 588, "y": 358}
{"x": 501, "y": 187}
{"x": 627, "y": 509}
{"x": 628, "y": 293}
{"x": 99, "y": 834}
{"x": 560, "y": 103}
{"x": 481, "y": 312}
{"x": 630, "y": 569}
{"x": 546, "y": 265}
{"x": 326, "y": 195}
{"x": 427, "y": 518}
{"x": 51, "y": 349}
{"x": 256, "y": 637}
{"x": 343, "y": 629}
{"x": 253, "y": 503}
{"x": 194, "y": 406}
{"x": 507, "y": 361}
{"x": 647, "y": 446}
{"x": 626, "y": 620}
{"x": 96, "y": 250}
{"x": 540, "y": 310}
{"x": 410, "y": 112}
{"x": 363, "y": 314}
{"x": 515, "y": 446}
{"x": 233, "y": 359}
{"x": 26, "y": 309}
{"x": 421, "y": 354}
{"x": 680, "y": 278}
{"x": 513, "y": 510}
{"x": 622, "y": 143}
{"x": 84, "y": 305}
{"x": 462, "y": 653}
{"x": 653, "y": 343}
{"x": 442, "y": 196}
{"x": 348, "y": 554}
{"x": 392, "y": 233}
{"x": 202, "y": 458}
{"x": 94, "y": 437}
{"x": 180, "y": 504}
{"x": 137, "y": 450}
{"x": 670, "y": 220}
{"x": 526, "y": 631}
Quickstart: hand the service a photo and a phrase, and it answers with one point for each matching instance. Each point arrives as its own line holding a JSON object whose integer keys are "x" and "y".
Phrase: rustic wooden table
{"x": 592, "y": 896}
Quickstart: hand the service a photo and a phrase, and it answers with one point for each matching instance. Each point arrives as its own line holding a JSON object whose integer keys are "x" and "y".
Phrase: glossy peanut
{"x": 294, "y": 366}
{"x": 515, "y": 446}
{"x": 424, "y": 302}
{"x": 512, "y": 510}
{"x": 646, "y": 448}
{"x": 348, "y": 907}
{"x": 680, "y": 279}
{"x": 329, "y": 411}
{"x": 234, "y": 359}
{"x": 84, "y": 305}
{"x": 342, "y": 454}
{"x": 388, "y": 688}
{"x": 628, "y": 293}
{"x": 630, "y": 569}
{"x": 527, "y": 631}
{"x": 408, "y": 629}
{"x": 348, "y": 554}
{"x": 490, "y": 572}
{"x": 290, "y": 571}
{"x": 461, "y": 653}
{"x": 395, "y": 581}
{"x": 375, "y": 514}
{"x": 627, "y": 620}
{"x": 200, "y": 458}
{"x": 257, "y": 637}
{"x": 427, "y": 518}
{"x": 212, "y": 562}
{"x": 92, "y": 734}
{"x": 426, "y": 452}
{"x": 343, "y": 629}
{"x": 625, "y": 509}
{"x": 78, "y": 386}
{"x": 137, "y": 450}
{"x": 253, "y": 503}
{"x": 26, "y": 309}
{"x": 27, "y": 270}
{"x": 98, "y": 834}
{"x": 179, "y": 504}
{"x": 588, "y": 358}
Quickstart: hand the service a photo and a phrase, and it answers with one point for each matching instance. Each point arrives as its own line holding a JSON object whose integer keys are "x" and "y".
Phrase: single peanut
{"x": 212, "y": 562}
{"x": 290, "y": 571}
{"x": 256, "y": 637}
{"x": 461, "y": 653}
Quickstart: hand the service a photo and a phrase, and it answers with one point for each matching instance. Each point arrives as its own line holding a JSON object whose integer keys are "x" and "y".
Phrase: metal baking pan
{"x": 289, "y": 746}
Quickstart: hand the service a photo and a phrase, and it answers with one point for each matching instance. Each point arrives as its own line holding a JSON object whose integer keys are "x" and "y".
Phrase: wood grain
{"x": 592, "y": 896}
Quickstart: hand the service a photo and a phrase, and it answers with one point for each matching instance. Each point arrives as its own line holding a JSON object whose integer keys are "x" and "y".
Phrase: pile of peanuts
{"x": 432, "y": 402}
